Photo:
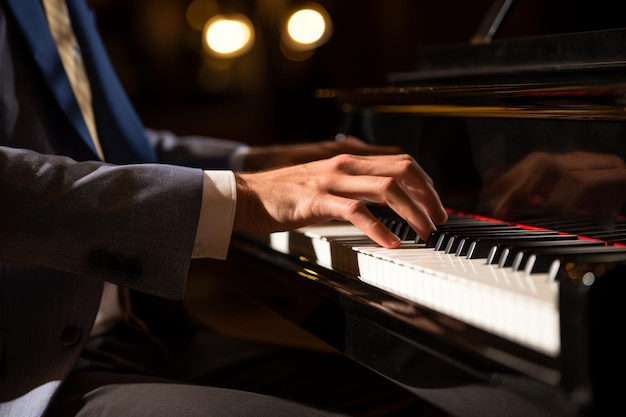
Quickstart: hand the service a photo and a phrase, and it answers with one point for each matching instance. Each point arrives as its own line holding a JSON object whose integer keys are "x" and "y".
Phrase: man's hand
{"x": 265, "y": 157}
{"x": 336, "y": 188}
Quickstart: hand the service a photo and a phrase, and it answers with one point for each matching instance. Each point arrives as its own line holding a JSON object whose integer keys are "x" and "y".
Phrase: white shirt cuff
{"x": 217, "y": 215}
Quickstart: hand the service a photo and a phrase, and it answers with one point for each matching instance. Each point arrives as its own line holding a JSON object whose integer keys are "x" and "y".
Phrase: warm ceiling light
{"x": 307, "y": 28}
{"x": 228, "y": 36}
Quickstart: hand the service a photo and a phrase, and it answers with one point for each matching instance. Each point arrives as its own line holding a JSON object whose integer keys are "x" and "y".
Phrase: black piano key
{"x": 459, "y": 244}
{"x": 504, "y": 255}
{"x": 563, "y": 222}
{"x": 401, "y": 228}
{"x": 515, "y": 256}
{"x": 539, "y": 260}
{"x": 406, "y": 232}
{"x": 461, "y": 224}
{"x": 439, "y": 239}
{"x": 390, "y": 223}
{"x": 482, "y": 247}
{"x": 448, "y": 242}
{"x": 455, "y": 222}
{"x": 610, "y": 230}
{"x": 615, "y": 236}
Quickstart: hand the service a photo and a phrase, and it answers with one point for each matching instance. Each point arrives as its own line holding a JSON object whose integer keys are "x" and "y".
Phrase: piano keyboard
{"x": 495, "y": 276}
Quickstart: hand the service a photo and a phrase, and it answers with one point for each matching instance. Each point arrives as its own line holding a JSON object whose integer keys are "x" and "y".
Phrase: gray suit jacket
{"x": 68, "y": 222}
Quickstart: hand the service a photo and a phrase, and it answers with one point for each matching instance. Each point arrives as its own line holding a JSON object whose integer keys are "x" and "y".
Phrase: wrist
{"x": 243, "y": 206}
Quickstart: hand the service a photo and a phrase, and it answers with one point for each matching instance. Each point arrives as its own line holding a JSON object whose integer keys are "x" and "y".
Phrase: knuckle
{"x": 343, "y": 160}
{"x": 387, "y": 184}
{"x": 405, "y": 163}
{"x": 354, "y": 207}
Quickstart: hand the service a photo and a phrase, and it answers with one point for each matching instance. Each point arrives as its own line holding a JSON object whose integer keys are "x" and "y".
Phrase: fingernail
{"x": 395, "y": 241}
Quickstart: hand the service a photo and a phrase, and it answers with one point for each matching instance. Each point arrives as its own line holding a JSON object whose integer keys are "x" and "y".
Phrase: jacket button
{"x": 116, "y": 264}
{"x": 133, "y": 269}
{"x": 70, "y": 336}
{"x": 97, "y": 259}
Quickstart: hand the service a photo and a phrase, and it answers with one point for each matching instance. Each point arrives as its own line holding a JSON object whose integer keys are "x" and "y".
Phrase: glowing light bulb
{"x": 306, "y": 26}
{"x": 228, "y": 35}
{"x": 306, "y": 29}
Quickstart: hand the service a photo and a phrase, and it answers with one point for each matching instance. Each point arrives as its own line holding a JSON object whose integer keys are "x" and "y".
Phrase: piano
{"x": 513, "y": 307}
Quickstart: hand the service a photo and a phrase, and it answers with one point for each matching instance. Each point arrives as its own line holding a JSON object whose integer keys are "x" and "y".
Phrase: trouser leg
{"x": 123, "y": 361}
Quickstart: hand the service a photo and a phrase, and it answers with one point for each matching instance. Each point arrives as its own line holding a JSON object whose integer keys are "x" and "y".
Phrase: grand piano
{"x": 513, "y": 307}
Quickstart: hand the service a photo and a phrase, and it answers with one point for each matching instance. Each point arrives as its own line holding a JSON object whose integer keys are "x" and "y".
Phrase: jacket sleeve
{"x": 132, "y": 225}
{"x": 195, "y": 151}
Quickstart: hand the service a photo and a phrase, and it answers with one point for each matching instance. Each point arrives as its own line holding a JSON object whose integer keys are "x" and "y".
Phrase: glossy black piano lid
{"x": 521, "y": 130}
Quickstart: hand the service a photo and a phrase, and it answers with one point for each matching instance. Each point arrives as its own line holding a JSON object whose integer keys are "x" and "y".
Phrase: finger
{"x": 385, "y": 190}
{"x": 397, "y": 166}
{"x": 336, "y": 207}
{"x": 403, "y": 168}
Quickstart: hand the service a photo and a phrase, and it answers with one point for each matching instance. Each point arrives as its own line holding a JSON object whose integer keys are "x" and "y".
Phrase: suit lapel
{"x": 121, "y": 132}
{"x": 31, "y": 19}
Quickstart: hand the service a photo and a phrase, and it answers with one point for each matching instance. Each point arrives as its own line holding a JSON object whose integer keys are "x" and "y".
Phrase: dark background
{"x": 264, "y": 97}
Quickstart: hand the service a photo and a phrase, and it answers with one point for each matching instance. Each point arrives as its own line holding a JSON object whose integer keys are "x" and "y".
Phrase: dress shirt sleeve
{"x": 217, "y": 214}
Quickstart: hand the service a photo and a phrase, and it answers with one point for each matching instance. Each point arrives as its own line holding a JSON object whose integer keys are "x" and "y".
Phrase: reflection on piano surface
{"x": 513, "y": 306}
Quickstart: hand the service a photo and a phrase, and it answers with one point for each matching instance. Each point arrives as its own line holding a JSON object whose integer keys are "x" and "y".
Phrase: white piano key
{"x": 512, "y": 304}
